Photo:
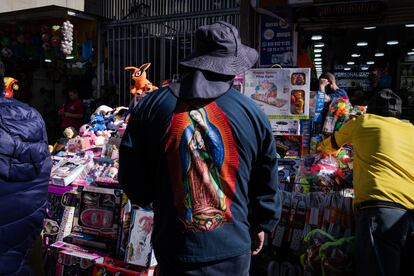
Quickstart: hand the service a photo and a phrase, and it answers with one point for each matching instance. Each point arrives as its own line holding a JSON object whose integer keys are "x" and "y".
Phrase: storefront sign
{"x": 277, "y": 40}
{"x": 280, "y": 93}
{"x": 332, "y": 11}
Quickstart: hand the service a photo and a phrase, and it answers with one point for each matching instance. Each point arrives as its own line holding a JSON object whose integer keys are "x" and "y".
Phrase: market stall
{"x": 314, "y": 235}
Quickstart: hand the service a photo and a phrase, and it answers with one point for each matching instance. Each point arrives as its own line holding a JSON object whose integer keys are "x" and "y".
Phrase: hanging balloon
{"x": 67, "y": 40}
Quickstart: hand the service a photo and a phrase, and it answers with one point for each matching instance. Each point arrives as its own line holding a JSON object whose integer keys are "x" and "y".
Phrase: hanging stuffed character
{"x": 10, "y": 86}
{"x": 142, "y": 84}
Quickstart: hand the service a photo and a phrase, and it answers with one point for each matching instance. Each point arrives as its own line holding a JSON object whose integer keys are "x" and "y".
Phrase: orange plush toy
{"x": 142, "y": 85}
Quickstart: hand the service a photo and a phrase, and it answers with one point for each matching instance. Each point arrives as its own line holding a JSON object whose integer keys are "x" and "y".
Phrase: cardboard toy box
{"x": 105, "y": 172}
{"x": 285, "y": 126}
{"x": 117, "y": 267}
{"x": 74, "y": 260}
{"x": 98, "y": 212}
{"x": 69, "y": 170}
{"x": 139, "y": 250}
{"x": 288, "y": 170}
{"x": 58, "y": 217}
{"x": 289, "y": 146}
{"x": 90, "y": 241}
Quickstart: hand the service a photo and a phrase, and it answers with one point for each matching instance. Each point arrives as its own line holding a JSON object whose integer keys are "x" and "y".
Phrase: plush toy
{"x": 10, "y": 86}
{"x": 98, "y": 123}
{"x": 104, "y": 110}
{"x": 142, "y": 84}
{"x": 69, "y": 132}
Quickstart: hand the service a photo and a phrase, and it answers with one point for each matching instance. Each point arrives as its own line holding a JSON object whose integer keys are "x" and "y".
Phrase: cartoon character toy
{"x": 11, "y": 85}
{"x": 142, "y": 84}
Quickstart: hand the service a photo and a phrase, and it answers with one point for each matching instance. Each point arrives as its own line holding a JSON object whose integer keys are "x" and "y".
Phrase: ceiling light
{"x": 347, "y": 69}
{"x": 319, "y": 45}
{"x": 319, "y": 55}
{"x": 350, "y": 63}
{"x": 409, "y": 25}
{"x": 364, "y": 68}
{"x": 316, "y": 37}
{"x": 379, "y": 54}
{"x": 370, "y": 62}
{"x": 362, "y": 44}
{"x": 48, "y": 60}
{"x": 355, "y": 55}
{"x": 410, "y": 53}
{"x": 318, "y": 62}
{"x": 318, "y": 59}
{"x": 392, "y": 42}
{"x": 370, "y": 28}
{"x": 70, "y": 57}
{"x": 318, "y": 50}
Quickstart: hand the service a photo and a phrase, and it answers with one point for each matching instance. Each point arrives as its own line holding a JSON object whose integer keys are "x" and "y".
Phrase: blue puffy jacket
{"x": 25, "y": 166}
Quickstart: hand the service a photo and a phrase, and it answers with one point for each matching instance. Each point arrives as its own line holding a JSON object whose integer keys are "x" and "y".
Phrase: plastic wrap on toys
{"x": 98, "y": 212}
{"x": 288, "y": 170}
{"x": 338, "y": 114}
{"x": 69, "y": 170}
{"x": 317, "y": 172}
{"x": 337, "y": 257}
{"x": 345, "y": 163}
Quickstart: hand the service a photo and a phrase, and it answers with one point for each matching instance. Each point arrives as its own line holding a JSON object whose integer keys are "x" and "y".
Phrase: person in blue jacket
{"x": 25, "y": 166}
{"x": 328, "y": 86}
{"x": 205, "y": 156}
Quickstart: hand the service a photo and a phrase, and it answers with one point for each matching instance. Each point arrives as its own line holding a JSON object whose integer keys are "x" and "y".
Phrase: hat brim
{"x": 227, "y": 65}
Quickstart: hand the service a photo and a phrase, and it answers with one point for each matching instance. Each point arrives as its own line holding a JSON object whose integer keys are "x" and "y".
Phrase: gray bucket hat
{"x": 218, "y": 49}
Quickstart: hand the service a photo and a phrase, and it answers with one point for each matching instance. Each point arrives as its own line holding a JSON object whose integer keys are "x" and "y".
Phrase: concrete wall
{"x": 15, "y": 5}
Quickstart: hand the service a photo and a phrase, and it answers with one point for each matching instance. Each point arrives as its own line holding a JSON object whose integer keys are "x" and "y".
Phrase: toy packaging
{"x": 288, "y": 169}
{"x": 285, "y": 126}
{"x": 98, "y": 212}
{"x": 338, "y": 114}
{"x": 74, "y": 260}
{"x": 139, "y": 250}
{"x": 57, "y": 216}
{"x": 111, "y": 149}
{"x": 90, "y": 241}
{"x": 69, "y": 170}
{"x": 289, "y": 146}
{"x": 105, "y": 173}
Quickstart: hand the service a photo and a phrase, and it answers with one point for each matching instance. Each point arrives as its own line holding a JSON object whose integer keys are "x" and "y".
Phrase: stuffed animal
{"x": 69, "y": 132}
{"x": 98, "y": 123}
{"x": 142, "y": 85}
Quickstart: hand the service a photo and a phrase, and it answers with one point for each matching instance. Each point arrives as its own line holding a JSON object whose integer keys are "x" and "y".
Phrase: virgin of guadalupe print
{"x": 203, "y": 161}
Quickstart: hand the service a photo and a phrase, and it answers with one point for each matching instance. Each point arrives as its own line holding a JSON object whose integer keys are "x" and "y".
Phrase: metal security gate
{"x": 160, "y": 40}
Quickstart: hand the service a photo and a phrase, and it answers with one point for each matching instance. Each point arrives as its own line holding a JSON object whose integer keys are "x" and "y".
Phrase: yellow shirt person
{"x": 383, "y": 167}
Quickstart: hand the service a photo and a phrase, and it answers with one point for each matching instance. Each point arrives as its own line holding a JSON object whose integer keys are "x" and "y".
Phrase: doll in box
{"x": 297, "y": 102}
